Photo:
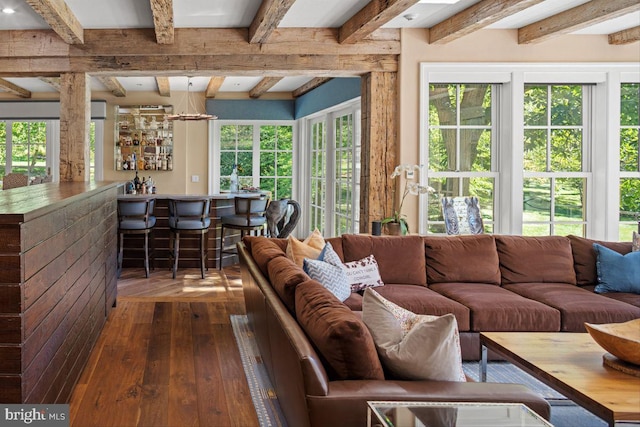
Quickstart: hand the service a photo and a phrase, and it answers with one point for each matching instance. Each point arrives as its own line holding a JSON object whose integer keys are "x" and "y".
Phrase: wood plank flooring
{"x": 167, "y": 355}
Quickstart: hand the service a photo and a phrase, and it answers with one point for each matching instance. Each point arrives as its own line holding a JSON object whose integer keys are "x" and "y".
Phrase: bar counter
{"x": 57, "y": 285}
{"x": 221, "y": 205}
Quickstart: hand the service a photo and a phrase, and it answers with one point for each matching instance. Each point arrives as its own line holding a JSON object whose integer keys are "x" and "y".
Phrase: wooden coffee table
{"x": 570, "y": 363}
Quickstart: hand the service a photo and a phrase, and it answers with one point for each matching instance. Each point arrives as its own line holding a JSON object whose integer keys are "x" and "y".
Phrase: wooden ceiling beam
{"x": 194, "y": 41}
{"x": 52, "y": 81}
{"x": 213, "y": 87}
{"x": 267, "y": 19}
{"x": 162, "y": 11}
{"x": 476, "y": 17}
{"x": 577, "y": 18}
{"x": 309, "y": 86}
{"x": 263, "y": 86}
{"x": 60, "y": 18}
{"x": 164, "y": 88}
{"x": 371, "y": 17}
{"x": 113, "y": 85}
{"x": 15, "y": 89}
{"x": 629, "y": 35}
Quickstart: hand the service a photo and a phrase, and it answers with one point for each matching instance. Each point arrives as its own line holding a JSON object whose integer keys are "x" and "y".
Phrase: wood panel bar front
{"x": 57, "y": 285}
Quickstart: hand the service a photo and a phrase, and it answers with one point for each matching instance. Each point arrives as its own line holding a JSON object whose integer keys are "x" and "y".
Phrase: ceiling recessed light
{"x": 8, "y": 10}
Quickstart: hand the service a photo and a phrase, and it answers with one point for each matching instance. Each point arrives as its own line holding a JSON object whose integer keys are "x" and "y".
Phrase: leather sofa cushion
{"x": 462, "y": 259}
{"x": 249, "y": 239}
{"x": 422, "y": 300}
{"x": 584, "y": 257}
{"x": 628, "y": 297}
{"x": 494, "y": 308}
{"x": 535, "y": 259}
{"x": 264, "y": 250}
{"x": 284, "y": 276}
{"x": 577, "y": 305}
{"x": 340, "y": 336}
{"x": 400, "y": 259}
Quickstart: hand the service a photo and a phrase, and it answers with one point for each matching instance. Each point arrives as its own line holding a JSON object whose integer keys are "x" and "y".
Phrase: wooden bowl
{"x": 620, "y": 339}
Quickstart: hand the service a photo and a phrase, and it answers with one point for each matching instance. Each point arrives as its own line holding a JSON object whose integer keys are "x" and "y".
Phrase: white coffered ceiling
{"x": 125, "y": 14}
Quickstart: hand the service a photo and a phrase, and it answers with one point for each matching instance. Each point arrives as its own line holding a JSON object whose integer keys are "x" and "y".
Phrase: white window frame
{"x": 602, "y": 210}
{"x": 328, "y": 116}
{"x": 214, "y": 148}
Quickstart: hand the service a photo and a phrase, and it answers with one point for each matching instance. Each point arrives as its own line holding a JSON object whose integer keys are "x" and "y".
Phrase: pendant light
{"x": 190, "y": 116}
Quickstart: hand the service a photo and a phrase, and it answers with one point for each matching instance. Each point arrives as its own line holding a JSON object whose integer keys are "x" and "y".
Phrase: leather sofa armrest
{"x": 346, "y": 402}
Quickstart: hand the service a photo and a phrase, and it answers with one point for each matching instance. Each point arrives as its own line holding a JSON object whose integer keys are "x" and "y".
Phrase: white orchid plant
{"x": 410, "y": 187}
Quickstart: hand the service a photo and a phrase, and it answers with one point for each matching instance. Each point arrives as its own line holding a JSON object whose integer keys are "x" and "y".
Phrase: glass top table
{"x": 451, "y": 414}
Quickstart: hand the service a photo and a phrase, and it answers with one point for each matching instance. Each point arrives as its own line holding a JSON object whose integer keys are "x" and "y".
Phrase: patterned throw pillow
{"x": 413, "y": 346}
{"x": 329, "y": 272}
{"x": 363, "y": 273}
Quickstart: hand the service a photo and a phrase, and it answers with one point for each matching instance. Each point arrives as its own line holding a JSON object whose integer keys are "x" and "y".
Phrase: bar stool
{"x": 135, "y": 216}
{"x": 249, "y": 216}
{"x": 189, "y": 216}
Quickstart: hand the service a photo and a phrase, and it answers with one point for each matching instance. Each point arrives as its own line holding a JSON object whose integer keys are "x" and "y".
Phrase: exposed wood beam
{"x": 163, "y": 20}
{"x": 590, "y": 13}
{"x": 53, "y": 81}
{"x": 629, "y": 35}
{"x": 263, "y": 86}
{"x": 267, "y": 19}
{"x": 60, "y": 18}
{"x": 309, "y": 86}
{"x": 241, "y": 65}
{"x": 476, "y": 17}
{"x": 164, "y": 89}
{"x": 213, "y": 87}
{"x": 371, "y": 17}
{"x": 15, "y": 89}
{"x": 194, "y": 41}
{"x": 113, "y": 85}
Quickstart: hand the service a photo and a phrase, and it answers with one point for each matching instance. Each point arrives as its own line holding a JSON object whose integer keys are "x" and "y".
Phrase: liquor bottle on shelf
{"x": 136, "y": 182}
{"x": 234, "y": 179}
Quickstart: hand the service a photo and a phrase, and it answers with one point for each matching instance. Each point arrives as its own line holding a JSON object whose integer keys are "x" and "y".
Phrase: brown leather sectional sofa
{"x": 322, "y": 360}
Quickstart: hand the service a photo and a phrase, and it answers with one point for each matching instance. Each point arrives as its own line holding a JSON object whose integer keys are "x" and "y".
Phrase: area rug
{"x": 263, "y": 395}
{"x": 564, "y": 413}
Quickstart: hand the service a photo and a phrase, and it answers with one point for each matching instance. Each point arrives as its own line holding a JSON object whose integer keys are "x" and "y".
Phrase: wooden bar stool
{"x": 249, "y": 216}
{"x": 135, "y": 216}
{"x": 189, "y": 216}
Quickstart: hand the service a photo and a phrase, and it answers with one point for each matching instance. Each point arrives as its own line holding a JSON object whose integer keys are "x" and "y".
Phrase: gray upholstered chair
{"x": 135, "y": 216}
{"x": 249, "y": 216}
{"x": 189, "y": 216}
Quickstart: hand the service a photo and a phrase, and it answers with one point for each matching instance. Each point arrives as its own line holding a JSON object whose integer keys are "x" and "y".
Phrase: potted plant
{"x": 396, "y": 224}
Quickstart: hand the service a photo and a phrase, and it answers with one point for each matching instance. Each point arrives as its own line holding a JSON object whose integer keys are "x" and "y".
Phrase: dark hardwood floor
{"x": 167, "y": 355}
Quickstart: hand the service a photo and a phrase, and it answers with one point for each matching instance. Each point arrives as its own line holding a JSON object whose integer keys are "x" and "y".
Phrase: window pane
{"x": 267, "y": 137}
{"x": 566, "y": 150}
{"x": 630, "y": 99}
{"x": 629, "y": 199}
{"x": 537, "y": 200}
{"x": 267, "y": 164}
{"x": 245, "y": 163}
{"x": 629, "y": 150}
{"x": 227, "y": 160}
{"x": 438, "y": 160}
{"x": 535, "y": 150}
{"x": 536, "y": 229}
{"x": 560, "y": 229}
{"x": 569, "y": 199}
{"x": 566, "y": 105}
{"x": 475, "y": 150}
{"x": 535, "y": 105}
{"x": 285, "y": 138}
{"x": 285, "y": 164}
{"x": 245, "y": 137}
{"x": 228, "y": 136}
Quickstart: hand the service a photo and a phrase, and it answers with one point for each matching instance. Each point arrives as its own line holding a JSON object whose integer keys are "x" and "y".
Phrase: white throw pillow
{"x": 412, "y": 346}
{"x": 363, "y": 273}
{"x": 329, "y": 272}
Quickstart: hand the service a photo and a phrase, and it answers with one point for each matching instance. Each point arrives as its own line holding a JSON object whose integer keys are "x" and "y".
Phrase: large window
{"x": 555, "y": 171}
{"x": 461, "y": 147}
{"x": 334, "y": 169}
{"x": 263, "y": 154}
{"x": 23, "y": 147}
{"x": 629, "y": 160}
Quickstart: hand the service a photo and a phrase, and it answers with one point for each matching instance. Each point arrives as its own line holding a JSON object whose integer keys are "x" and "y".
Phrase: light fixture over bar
{"x": 190, "y": 116}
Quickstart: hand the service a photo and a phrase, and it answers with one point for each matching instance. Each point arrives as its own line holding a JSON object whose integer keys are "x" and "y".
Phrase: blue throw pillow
{"x": 328, "y": 270}
{"x": 617, "y": 272}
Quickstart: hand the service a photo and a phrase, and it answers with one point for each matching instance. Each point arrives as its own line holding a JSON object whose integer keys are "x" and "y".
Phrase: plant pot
{"x": 393, "y": 229}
